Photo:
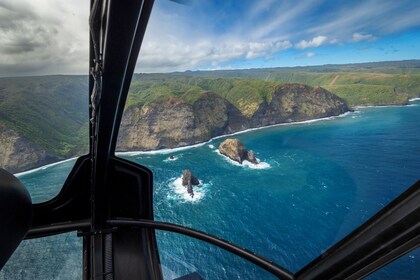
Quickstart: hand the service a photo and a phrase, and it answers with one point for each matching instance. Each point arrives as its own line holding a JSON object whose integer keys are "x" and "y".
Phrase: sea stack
{"x": 235, "y": 150}
{"x": 189, "y": 180}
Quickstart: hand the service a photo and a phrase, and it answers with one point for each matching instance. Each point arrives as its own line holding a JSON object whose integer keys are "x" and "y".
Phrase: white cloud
{"x": 41, "y": 38}
{"x": 314, "y": 43}
{"x": 382, "y": 17}
{"x": 51, "y": 36}
{"x": 180, "y": 56}
{"x": 359, "y": 37}
{"x": 310, "y": 54}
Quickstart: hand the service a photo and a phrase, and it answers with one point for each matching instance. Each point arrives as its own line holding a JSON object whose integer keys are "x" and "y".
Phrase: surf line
{"x": 177, "y": 149}
{"x": 44, "y": 167}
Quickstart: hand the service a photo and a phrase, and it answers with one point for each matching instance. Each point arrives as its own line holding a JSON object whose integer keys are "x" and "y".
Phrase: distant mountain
{"x": 46, "y": 117}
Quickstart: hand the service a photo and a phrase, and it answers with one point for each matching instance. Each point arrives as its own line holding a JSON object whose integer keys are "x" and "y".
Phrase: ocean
{"x": 315, "y": 183}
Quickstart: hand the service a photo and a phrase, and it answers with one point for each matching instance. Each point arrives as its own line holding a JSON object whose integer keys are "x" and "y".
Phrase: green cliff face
{"x": 18, "y": 153}
{"x": 174, "y": 122}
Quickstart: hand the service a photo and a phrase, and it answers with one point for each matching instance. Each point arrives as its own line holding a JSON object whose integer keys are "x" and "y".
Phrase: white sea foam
{"x": 285, "y": 124}
{"x": 162, "y": 151}
{"x": 211, "y": 146}
{"x": 260, "y": 165}
{"x": 245, "y": 163}
{"x": 414, "y": 99}
{"x": 170, "y": 159}
{"x": 182, "y": 194}
{"x": 378, "y": 106}
{"x": 43, "y": 167}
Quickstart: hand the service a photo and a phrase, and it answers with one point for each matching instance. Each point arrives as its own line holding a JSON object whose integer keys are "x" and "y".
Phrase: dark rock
{"x": 189, "y": 180}
{"x": 251, "y": 157}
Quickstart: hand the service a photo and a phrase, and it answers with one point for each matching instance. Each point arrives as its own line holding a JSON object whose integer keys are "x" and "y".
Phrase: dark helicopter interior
{"x": 108, "y": 200}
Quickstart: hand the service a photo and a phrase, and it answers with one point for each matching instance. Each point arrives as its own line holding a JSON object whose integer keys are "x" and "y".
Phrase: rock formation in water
{"x": 235, "y": 150}
{"x": 251, "y": 157}
{"x": 189, "y": 180}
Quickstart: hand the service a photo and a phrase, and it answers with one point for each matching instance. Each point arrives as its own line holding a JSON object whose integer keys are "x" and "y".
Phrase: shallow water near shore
{"x": 317, "y": 182}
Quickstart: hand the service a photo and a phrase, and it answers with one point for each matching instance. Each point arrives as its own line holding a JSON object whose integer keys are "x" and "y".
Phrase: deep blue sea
{"x": 316, "y": 182}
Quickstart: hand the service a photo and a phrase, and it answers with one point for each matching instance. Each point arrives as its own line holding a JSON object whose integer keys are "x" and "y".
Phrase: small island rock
{"x": 251, "y": 157}
{"x": 189, "y": 180}
{"x": 235, "y": 150}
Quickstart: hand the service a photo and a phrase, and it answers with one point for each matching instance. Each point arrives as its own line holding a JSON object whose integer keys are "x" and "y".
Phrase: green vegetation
{"x": 367, "y": 94}
{"x": 52, "y": 111}
{"x": 359, "y": 84}
{"x": 49, "y": 110}
{"x": 246, "y": 94}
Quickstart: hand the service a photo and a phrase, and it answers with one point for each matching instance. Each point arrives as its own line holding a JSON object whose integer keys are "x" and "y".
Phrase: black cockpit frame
{"x": 109, "y": 200}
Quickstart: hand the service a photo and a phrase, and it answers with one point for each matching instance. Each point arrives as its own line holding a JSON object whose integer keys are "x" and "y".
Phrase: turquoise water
{"x": 316, "y": 183}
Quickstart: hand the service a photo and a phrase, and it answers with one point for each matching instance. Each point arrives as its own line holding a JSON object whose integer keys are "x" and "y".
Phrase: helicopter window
{"x": 181, "y": 255}
{"x": 400, "y": 268}
{"x": 305, "y": 185}
{"x": 43, "y": 113}
{"x": 53, "y": 257}
{"x": 319, "y": 179}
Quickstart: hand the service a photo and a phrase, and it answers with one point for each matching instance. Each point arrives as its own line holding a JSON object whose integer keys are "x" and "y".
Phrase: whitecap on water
{"x": 170, "y": 159}
{"x": 245, "y": 163}
{"x": 180, "y": 192}
{"x": 211, "y": 146}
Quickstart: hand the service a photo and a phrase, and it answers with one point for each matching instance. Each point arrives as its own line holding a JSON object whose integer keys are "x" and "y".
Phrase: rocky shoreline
{"x": 174, "y": 123}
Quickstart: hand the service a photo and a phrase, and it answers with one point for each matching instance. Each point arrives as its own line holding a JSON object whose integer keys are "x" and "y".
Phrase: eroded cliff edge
{"x": 19, "y": 154}
{"x": 174, "y": 123}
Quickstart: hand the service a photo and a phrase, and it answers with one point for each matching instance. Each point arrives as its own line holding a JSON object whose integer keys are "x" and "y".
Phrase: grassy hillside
{"x": 246, "y": 94}
{"x": 51, "y": 111}
{"x": 360, "y": 84}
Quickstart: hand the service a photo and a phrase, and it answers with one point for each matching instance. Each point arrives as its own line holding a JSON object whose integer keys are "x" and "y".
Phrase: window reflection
{"x": 406, "y": 267}
{"x": 53, "y": 257}
{"x": 181, "y": 255}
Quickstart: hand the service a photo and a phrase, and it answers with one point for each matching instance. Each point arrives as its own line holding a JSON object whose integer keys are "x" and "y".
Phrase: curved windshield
{"x": 43, "y": 91}
{"x": 289, "y": 116}
{"x": 279, "y": 126}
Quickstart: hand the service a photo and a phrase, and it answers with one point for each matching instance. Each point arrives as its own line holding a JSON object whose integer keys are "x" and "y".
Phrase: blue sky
{"x": 271, "y": 33}
{"x": 50, "y": 36}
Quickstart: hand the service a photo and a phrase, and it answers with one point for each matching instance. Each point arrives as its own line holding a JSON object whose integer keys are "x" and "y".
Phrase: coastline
{"x": 177, "y": 149}
{"x": 390, "y": 105}
{"x": 171, "y": 150}
{"x": 43, "y": 167}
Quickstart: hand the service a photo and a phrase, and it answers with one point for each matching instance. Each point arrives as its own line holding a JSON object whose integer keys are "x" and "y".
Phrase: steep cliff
{"x": 296, "y": 102}
{"x": 174, "y": 122}
{"x": 18, "y": 153}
